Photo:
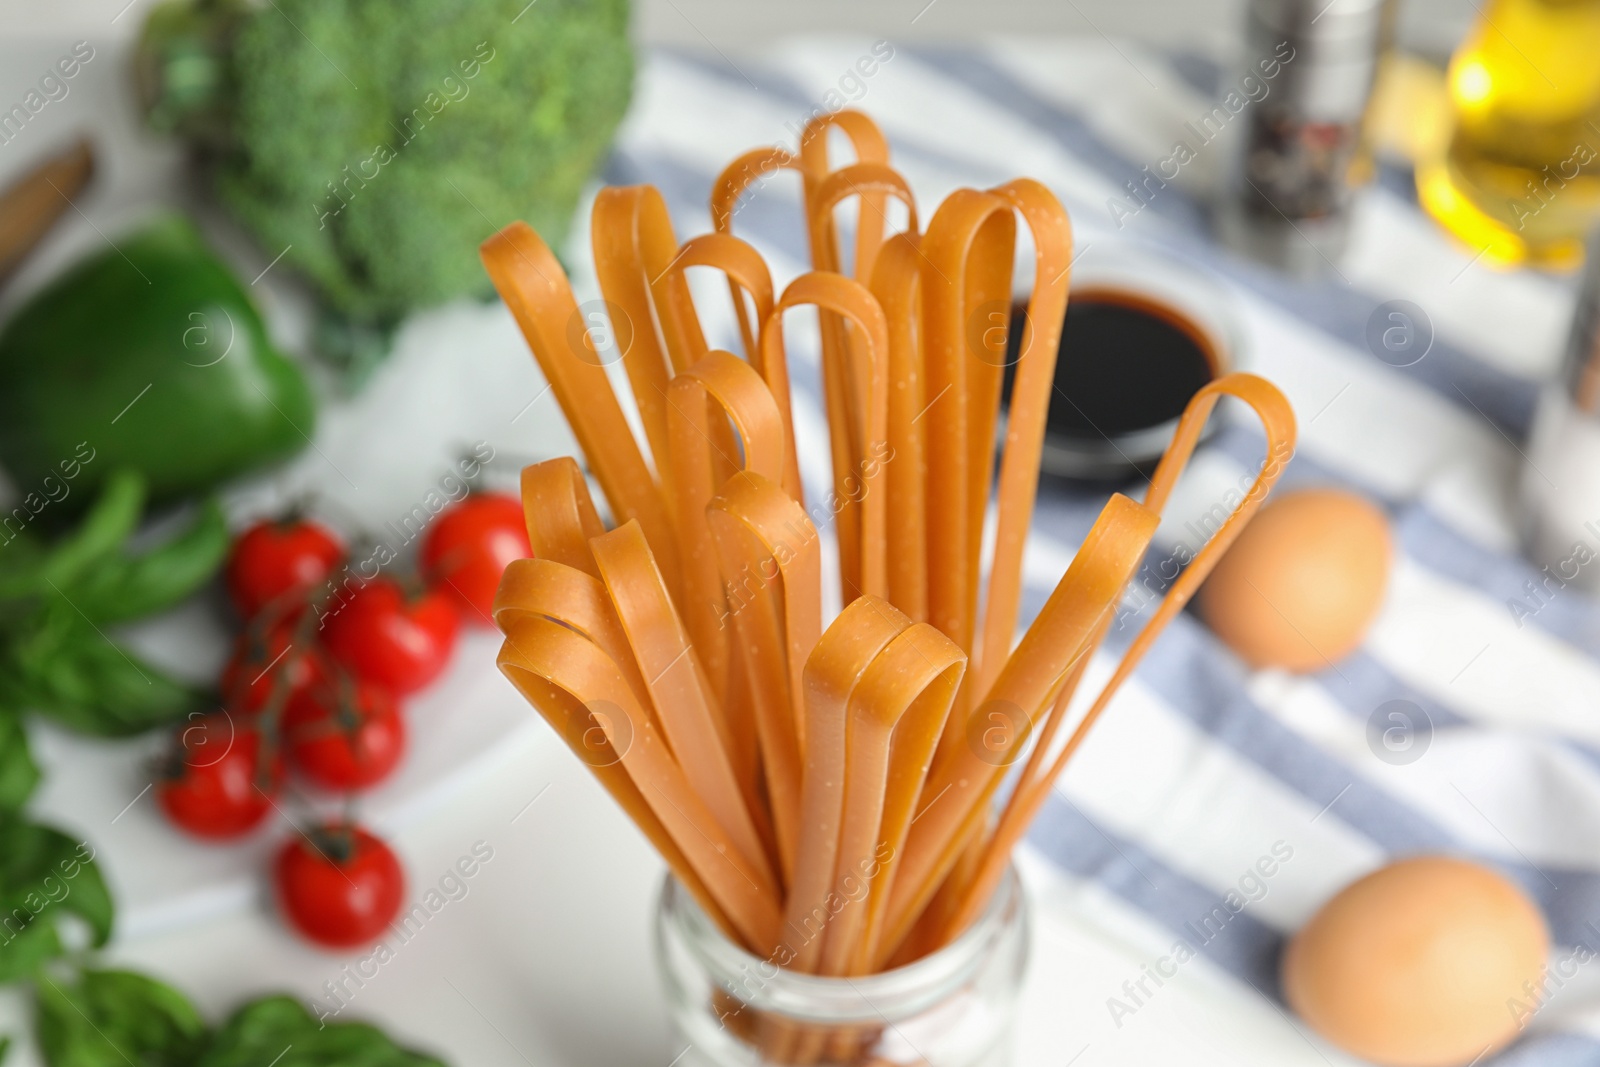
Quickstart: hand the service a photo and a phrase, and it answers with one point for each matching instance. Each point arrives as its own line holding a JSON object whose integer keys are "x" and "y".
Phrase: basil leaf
{"x": 109, "y": 522}
{"x": 19, "y": 775}
{"x": 74, "y": 674}
{"x": 19, "y": 563}
{"x": 22, "y": 954}
{"x": 124, "y": 587}
{"x": 116, "y": 1018}
{"x": 280, "y": 1030}
{"x": 44, "y": 875}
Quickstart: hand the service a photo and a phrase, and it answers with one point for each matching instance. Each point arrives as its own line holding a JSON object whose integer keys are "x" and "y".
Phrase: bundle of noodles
{"x": 682, "y": 654}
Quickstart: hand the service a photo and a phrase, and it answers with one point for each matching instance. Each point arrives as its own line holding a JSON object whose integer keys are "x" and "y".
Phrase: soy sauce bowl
{"x": 1144, "y": 331}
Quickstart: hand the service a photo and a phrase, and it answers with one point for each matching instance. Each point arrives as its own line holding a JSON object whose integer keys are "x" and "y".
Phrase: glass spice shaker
{"x": 1560, "y": 490}
{"x": 953, "y": 1008}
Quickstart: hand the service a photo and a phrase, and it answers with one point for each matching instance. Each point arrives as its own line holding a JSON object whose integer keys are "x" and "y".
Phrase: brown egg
{"x": 1305, "y": 579}
{"x": 1414, "y": 965}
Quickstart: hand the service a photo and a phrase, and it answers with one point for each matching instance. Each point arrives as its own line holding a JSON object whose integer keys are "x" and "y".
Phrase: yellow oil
{"x": 1520, "y": 177}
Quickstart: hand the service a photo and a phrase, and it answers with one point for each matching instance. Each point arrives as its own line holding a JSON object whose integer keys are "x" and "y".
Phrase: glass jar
{"x": 953, "y": 1008}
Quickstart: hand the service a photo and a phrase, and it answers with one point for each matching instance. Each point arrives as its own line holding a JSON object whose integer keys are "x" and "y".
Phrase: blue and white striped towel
{"x": 1201, "y": 768}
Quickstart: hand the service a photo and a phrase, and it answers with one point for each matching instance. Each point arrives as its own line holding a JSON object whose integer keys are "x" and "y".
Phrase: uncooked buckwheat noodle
{"x": 826, "y": 794}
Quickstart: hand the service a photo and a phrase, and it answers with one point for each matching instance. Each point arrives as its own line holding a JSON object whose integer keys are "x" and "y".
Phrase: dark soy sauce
{"x": 1126, "y": 363}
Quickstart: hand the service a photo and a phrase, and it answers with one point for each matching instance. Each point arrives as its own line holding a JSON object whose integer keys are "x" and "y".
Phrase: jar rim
{"x": 887, "y": 996}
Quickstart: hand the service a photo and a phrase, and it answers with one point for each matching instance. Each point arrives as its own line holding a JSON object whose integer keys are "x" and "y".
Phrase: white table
{"x": 547, "y": 960}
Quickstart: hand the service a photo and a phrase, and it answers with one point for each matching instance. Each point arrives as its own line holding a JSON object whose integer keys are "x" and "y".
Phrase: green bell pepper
{"x": 150, "y": 356}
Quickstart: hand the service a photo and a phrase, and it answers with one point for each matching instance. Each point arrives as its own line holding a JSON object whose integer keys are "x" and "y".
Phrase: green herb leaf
{"x": 20, "y": 554}
{"x": 122, "y": 587}
{"x": 116, "y": 1018}
{"x": 44, "y": 875}
{"x": 109, "y": 522}
{"x": 76, "y": 675}
{"x": 280, "y": 1030}
{"x": 22, "y": 954}
{"x": 19, "y": 776}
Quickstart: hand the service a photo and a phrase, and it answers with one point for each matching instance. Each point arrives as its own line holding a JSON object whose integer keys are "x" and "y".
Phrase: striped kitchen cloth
{"x": 1201, "y": 767}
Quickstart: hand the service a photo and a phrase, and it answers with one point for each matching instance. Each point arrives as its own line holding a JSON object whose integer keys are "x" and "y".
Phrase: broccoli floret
{"x": 380, "y": 141}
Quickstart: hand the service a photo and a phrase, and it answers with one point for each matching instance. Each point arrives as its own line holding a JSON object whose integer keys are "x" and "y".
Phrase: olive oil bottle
{"x": 1520, "y": 179}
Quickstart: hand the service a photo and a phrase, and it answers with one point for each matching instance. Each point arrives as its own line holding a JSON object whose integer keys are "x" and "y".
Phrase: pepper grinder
{"x": 1302, "y": 148}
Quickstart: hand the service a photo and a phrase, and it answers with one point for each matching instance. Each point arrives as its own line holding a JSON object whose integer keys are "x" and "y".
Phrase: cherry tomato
{"x": 344, "y": 737}
{"x": 216, "y": 784}
{"x": 277, "y": 560}
{"x": 266, "y": 655}
{"x": 468, "y": 547}
{"x": 384, "y": 637}
{"x": 339, "y": 885}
